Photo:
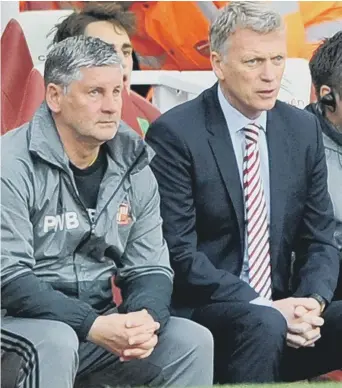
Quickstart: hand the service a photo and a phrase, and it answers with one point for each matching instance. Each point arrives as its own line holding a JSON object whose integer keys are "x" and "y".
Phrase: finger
{"x": 145, "y": 355}
{"x": 125, "y": 359}
{"x": 148, "y": 353}
{"x": 140, "y": 318}
{"x": 137, "y": 349}
{"x": 300, "y": 311}
{"x": 290, "y": 345}
{"x": 309, "y": 335}
{"x": 295, "y": 340}
{"x": 308, "y": 303}
{"x": 312, "y": 342}
{"x": 140, "y": 338}
{"x": 299, "y": 328}
{"x": 140, "y": 313}
{"x": 148, "y": 326}
{"x": 144, "y": 329}
{"x": 135, "y": 353}
{"x": 151, "y": 343}
{"x": 137, "y": 318}
{"x": 313, "y": 320}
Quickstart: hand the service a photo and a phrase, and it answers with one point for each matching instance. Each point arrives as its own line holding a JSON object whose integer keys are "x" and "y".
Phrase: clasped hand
{"x": 303, "y": 321}
{"x": 131, "y": 335}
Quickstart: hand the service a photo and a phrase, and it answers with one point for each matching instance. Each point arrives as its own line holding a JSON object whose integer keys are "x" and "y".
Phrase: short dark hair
{"x": 326, "y": 64}
{"x": 76, "y": 23}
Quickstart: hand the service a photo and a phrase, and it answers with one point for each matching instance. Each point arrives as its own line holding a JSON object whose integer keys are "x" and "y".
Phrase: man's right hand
{"x": 303, "y": 329}
{"x": 122, "y": 332}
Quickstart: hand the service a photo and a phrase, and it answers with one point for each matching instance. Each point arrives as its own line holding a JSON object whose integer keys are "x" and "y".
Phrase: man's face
{"x": 91, "y": 107}
{"x": 251, "y": 72}
{"x": 120, "y": 40}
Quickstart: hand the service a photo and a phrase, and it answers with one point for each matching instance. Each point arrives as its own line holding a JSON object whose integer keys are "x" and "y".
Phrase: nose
{"x": 111, "y": 104}
{"x": 268, "y": 72}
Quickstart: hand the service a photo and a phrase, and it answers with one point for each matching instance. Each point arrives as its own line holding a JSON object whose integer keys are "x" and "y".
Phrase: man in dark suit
{"x": 242, "y": 179}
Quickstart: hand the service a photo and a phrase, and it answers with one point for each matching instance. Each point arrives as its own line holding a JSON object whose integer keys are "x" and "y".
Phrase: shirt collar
{"x": 235, "y": 119}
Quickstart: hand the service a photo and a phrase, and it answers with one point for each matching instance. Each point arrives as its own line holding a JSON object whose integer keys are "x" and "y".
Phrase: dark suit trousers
{"x": 338, "y": 292}
{"x": 250, "y": 344}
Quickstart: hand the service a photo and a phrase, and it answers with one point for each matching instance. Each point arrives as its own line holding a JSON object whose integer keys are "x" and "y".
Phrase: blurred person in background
{"x": 321, "y": 19}
{"x": 167, "y": 38}
{"x": 114, "y": 25}
{"x": 326, "y": 73}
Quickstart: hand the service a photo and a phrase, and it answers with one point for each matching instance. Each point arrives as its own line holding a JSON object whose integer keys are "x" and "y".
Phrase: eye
{"x": 254, "y": 61}
{"x": 94, "y": 92}
{"x": 117, "y": 92}
{"x": 278, "y": 59}
{"x": 127, "y": 53}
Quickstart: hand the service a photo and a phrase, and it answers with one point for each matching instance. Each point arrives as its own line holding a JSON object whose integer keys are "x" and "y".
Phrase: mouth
{"x": 270, "y": 93}
{"x": 107, "y": 122}
{"x": 266, "y": 92}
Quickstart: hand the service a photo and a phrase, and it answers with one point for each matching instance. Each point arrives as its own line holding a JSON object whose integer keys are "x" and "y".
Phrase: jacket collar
{"x": 236, "y": 121}
{"x": 127, "y": 149}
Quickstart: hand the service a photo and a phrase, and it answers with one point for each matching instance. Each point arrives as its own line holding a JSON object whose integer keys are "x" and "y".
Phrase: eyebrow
{"x": 126, "y": 45}
{"x": 261, "y": 56}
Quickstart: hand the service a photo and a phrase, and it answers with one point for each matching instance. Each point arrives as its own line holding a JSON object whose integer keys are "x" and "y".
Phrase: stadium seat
{"x": 16, "y": 64}
{"x": 33, "y": 96}
{"x": 137, "y": 112}
{"x": 19, "y": 105}
{"x": 37, "y": 26}
{"x": 22, "y": 86}
{"x": 334, "y": 376}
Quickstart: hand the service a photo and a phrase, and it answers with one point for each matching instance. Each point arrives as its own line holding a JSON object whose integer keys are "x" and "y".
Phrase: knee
{"x": 268, "y": 324}
{"x": 59, "y": 340}
{"x": 191, "y": 337}
{"x": 198, "y": 336}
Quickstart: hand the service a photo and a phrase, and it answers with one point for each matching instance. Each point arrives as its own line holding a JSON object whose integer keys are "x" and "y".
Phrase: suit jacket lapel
{"x": 222, "y": 147}
{"x": 278, "y": 152}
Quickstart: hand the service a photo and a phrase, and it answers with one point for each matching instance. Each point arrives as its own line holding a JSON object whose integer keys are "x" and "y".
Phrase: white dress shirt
{"x": 236, "y": 121}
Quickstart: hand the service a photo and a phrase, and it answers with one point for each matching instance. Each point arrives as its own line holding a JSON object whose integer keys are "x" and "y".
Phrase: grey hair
{"x": 66, "y": 58}
{"x": 253, "y": 15}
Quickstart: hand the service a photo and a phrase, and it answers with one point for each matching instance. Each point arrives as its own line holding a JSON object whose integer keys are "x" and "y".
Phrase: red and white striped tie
{"x": 258, "y": 246}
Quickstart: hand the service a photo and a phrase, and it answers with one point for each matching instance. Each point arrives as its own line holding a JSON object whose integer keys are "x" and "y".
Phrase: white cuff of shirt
{"x": 260, "y": 301}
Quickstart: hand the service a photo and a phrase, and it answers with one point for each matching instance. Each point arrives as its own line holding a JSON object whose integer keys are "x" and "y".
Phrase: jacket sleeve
{"x": 316, "y": 266}
{"x": 199, "y": 281}
{"x": 145, "y": 277}
{"x": 23, "y": 294}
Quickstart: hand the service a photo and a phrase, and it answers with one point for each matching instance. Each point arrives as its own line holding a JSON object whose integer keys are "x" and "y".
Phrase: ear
{"x": 216, "y": 63}
{"x": 54, "y": 96}
{"x": 324, "y": 90}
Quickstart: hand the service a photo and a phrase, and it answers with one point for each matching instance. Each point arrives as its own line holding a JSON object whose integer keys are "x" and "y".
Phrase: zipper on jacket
{"x": 78, "y": 199}
{"x": 124, "y": 176}
{"x": 97, "y": 216}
